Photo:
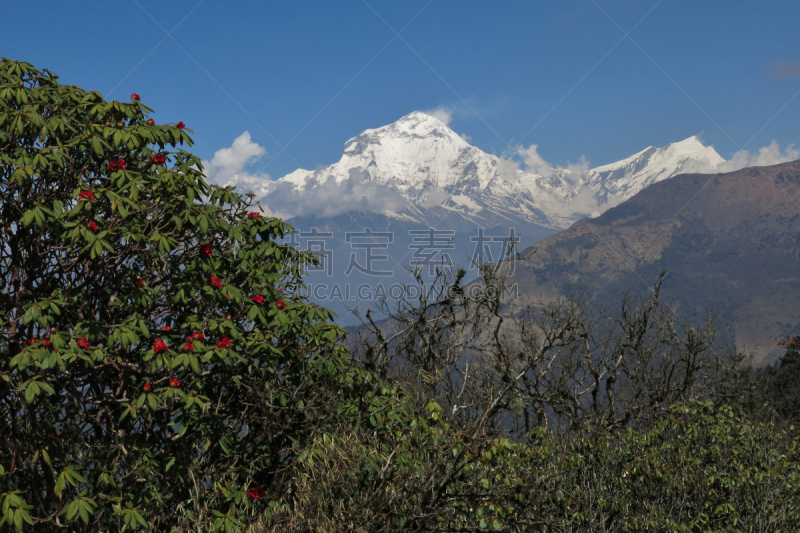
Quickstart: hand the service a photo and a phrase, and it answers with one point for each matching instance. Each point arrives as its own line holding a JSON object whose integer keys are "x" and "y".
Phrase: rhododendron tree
{"x": 153, "y": 428}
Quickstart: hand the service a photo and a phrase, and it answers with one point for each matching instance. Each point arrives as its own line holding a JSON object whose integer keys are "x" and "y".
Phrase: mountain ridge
{"x": 735, "y": 248}
{"x": 419, "y": 170}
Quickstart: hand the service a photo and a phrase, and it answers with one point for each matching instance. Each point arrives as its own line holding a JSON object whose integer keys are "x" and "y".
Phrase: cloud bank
{"x": 326, "y": 197}
{"x": 766, "y": 155}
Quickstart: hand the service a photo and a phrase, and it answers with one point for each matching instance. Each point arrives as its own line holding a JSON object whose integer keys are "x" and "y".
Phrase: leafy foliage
{"x": 701, "y": 468}
{"x": 782, "y": 381}
{"x": 155, "y": 357}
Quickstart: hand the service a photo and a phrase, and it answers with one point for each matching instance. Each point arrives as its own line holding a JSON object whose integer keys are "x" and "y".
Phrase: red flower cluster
{"x": 181, "y": 125}
{"x": 119, "y": 164}
{"x": 135, "y": 96}
{"x": 255, "y": 493}
{"x": 146, "y": 387}
{"x": 166, "y": 328}
{"x": 54, "y": 436}
{"x": 280, "y": 305}
{"x": 160, "y": 346}
{"x": 206, "y": 250}
{"x": 151, "y": 121}
{"x": 174, "y": 383}
{"x": 224, "y": 342}
{"x": 45, "y": 342}
{"x": 188, "y": 347}
{"x": 214, "y": 281}
{"x": 139, "y": 282}
{"x": 83, "y": 342}
{"x": 92, "y": 225}
{"x": 159, "y": 159}
{"x": 196, "y": 336}
{"x": 253, "y": 214}
{"x": 86, "y": 195}
{"x": 258, "y": 299}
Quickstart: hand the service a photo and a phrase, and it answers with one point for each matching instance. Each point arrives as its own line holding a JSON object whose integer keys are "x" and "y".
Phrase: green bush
{"x": 701, "y": 468}
{"x": 156, "y": 360}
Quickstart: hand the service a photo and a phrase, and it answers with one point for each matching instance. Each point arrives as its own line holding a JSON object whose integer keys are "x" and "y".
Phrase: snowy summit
{"x": 418, "y": 169}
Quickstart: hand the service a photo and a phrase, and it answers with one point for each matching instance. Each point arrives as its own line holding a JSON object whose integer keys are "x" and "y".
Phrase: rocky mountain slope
{"x": 734, "y": 247}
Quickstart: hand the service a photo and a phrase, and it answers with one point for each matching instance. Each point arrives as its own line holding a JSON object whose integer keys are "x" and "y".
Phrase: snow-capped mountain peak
{"x": 413, "y": 127}
{"x": 632, "y": 174}
{"x": 416, "y": 150}
{"x": 418, "y": 169}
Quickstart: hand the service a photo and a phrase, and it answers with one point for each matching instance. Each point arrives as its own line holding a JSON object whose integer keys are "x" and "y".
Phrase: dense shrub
{"x": 701, "y": 468}
{"x": 156, "y": 361}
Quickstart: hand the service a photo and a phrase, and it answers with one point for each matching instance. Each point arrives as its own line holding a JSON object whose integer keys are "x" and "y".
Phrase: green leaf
{"x": 59, "y": 488}
{"x": 194, "y": 364}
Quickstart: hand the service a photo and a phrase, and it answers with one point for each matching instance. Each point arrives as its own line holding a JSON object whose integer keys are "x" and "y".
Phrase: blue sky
{"x": 596, "y": 78}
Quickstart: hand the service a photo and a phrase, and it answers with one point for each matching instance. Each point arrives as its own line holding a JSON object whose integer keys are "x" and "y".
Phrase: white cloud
{"x": 766, "y": 155}
{"x": 442, "y": 113}
{"x": 227, "y": 164}
{"x": 325, "y": 197}
{"x": 533, "y": 161}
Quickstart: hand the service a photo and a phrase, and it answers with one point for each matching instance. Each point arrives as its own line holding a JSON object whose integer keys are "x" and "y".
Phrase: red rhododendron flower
{"x": 188, "y": 347}
{"x": 253, "y": 214}
{"x": 255, "y": 493}
{"x": 166, "y": 328}
{"x": 258, "y": 299}
{"x": 135, "y": 96}
{"x": 181, "y": 125}
{"x": 224, "y": 342}
{"x": 86, "y": 195}
{"x": 54, "y": 436}
{"x": 92, "y": 225}
{"x": 174, "y": 383}
{"x": 214, "y": 281}
{"x": 146, "y": 387}
{"x": 197, "y": 336}
{"x": 206, "y": 250}
{"x": 119, "y": 164}
{"x": 159, "y": 159}
{"x": 83, "y": 342}
{"x": 280, "y": 305}
{"x": 160, "y": 346}
{"x": 32, "y": 341}
{"x": 151, "y": 122}
{"x": 139, "y": 282}
{"x": 46, "y": 342}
